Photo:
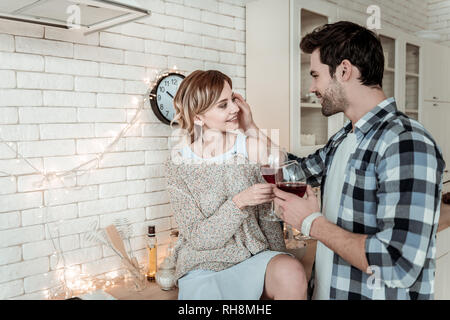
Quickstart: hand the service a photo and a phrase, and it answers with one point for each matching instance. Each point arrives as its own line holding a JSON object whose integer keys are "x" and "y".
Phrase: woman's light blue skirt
{"x": 243, "y": 281}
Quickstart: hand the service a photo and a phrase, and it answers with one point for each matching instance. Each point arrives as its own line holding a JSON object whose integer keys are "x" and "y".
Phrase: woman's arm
{"x": 312, "y": 166}
{"x": 201, "y": 232}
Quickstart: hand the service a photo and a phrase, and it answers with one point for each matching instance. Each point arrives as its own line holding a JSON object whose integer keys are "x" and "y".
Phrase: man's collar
{"x": 374, "y": 116}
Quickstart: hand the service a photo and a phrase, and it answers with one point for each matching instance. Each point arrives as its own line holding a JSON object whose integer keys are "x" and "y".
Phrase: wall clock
{"x": 162, "y": 95}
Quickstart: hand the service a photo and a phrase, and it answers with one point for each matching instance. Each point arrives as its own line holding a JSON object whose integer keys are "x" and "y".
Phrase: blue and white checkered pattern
{"x": 392, "y": 193}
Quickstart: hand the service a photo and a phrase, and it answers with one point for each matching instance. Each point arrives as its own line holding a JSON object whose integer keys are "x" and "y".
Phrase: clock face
{"x": 165, "y": 92}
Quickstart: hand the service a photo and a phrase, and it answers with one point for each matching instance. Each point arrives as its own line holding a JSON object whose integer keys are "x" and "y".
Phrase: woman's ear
{"x": 198, "y": 121}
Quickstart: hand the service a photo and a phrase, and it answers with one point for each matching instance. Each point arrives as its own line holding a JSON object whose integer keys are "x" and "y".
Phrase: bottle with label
{"x": 152, "y": 256}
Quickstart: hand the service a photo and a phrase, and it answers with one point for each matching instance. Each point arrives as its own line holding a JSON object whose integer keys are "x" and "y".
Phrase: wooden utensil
{"x": 118, "y": 244}
{"x": 117, "y": 241}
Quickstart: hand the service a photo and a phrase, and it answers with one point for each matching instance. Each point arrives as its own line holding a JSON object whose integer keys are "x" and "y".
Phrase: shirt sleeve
{"x": 201, "y": 232}
{"x": 410, "y": 182}
{"x": 312, "y": 166}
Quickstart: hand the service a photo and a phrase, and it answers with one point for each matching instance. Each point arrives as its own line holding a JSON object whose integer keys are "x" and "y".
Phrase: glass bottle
{"x": 152, "y": 253}
{"x": 172, "y": 244}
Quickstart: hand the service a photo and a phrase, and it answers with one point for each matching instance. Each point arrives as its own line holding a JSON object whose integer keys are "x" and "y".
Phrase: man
{"x": 380, "y": 178}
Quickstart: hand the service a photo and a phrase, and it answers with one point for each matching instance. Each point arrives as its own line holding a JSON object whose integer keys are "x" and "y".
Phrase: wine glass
{"x": 291, "y": 178}
{"x": 269, "y": 171}
{"x": 269, "y": 174}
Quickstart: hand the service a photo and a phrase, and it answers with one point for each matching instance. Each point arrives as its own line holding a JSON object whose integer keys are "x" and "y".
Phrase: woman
{"x": 225, "y": 251}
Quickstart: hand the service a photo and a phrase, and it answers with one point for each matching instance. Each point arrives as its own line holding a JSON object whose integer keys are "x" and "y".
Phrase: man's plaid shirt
{"x": 392, "y": 193}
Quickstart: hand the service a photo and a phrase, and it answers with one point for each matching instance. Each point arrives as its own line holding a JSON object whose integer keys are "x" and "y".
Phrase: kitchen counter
{"x": 151, "y": 292}
{"x": 444, "y": 220}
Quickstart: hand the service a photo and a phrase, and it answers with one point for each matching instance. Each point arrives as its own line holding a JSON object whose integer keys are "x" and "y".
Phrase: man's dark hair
{"x": 346, "y": 40}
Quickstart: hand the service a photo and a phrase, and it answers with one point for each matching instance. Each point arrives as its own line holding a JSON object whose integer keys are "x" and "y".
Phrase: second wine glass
{"x": 291, "y": 178}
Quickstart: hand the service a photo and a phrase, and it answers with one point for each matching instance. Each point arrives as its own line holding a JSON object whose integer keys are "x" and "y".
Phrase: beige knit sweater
{"x": 214, "y": 233}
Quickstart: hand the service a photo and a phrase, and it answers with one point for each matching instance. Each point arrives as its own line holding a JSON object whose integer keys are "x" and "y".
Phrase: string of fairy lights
{"x": 71, "y": 281}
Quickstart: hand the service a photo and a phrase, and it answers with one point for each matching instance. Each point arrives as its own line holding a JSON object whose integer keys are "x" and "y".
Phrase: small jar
{"x": 165, "y": 277}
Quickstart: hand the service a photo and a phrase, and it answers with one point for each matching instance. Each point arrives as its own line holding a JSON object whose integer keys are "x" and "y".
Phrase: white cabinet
{"x": 277, "y": 73}
{"x": 390, "y": 63}
{"x": 437, "y": 73}
{"x": 314, "y": 128}
{"x": 413, "y": 81}
{"x": 442, "y": 279}
{"x": 278, "y": 78}
{"x": 435, "y": 118}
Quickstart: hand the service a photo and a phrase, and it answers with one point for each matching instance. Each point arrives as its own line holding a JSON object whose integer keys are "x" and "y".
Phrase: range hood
{"x": 87, "y": 15}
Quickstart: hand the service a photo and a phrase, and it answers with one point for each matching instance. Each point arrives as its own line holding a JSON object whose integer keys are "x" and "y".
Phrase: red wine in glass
{"x": 270, "y": 178}
{"x": 297, "y": 188}
{"x": 268, "y": 174}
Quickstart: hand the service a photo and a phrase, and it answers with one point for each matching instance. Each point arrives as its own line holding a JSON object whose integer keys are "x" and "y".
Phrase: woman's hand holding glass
{"x": 271, "y": 171}
{"x": 255, "y": 195}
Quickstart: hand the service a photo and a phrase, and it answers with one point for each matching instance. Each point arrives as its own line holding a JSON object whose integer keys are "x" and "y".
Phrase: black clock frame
{"x": 154, "y": 94}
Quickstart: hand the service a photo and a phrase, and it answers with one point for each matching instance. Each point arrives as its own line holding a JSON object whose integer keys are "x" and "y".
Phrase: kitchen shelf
{"x": 389, "y": 50}
{"x": 410, "y": 74}
{"x": 312, "y": 121}
{"x": 412, "y": 60}
{"x": 311, "y": 105}
{"x": 412, "y": 81}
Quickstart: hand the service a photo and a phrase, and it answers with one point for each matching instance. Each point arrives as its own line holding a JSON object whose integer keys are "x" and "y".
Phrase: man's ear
{"x": 345, "y": 70}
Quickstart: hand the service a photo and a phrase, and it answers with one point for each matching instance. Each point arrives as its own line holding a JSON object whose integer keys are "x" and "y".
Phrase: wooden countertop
{"x": 444, "y": 219}
{"x": 151, "y": 292}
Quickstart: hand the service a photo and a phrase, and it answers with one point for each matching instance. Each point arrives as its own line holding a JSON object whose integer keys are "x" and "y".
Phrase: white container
{"x": 308, "y": 140}
{"x": 165, "y": 277}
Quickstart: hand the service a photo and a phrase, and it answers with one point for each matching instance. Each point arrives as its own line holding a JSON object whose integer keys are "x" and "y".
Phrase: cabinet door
{"x": 436, "y": 73}
{"x": 442, "y": 279}
{"x": 436, "y": 117}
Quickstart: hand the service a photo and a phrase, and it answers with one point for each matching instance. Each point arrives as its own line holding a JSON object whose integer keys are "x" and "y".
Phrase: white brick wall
{"x": 63, "y": 97}
{"x": 439, "y": 18}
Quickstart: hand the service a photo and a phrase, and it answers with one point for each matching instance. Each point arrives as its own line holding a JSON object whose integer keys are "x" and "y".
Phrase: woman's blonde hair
{"x": 197, "y": 93}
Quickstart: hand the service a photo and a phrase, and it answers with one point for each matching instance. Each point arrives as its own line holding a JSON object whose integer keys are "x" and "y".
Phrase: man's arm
{"x": 409, "y": 176}
{"x": 349, "y": 246}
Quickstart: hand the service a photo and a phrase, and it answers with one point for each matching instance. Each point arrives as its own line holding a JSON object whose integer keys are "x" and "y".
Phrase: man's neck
{"x": 363, "y": 102}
